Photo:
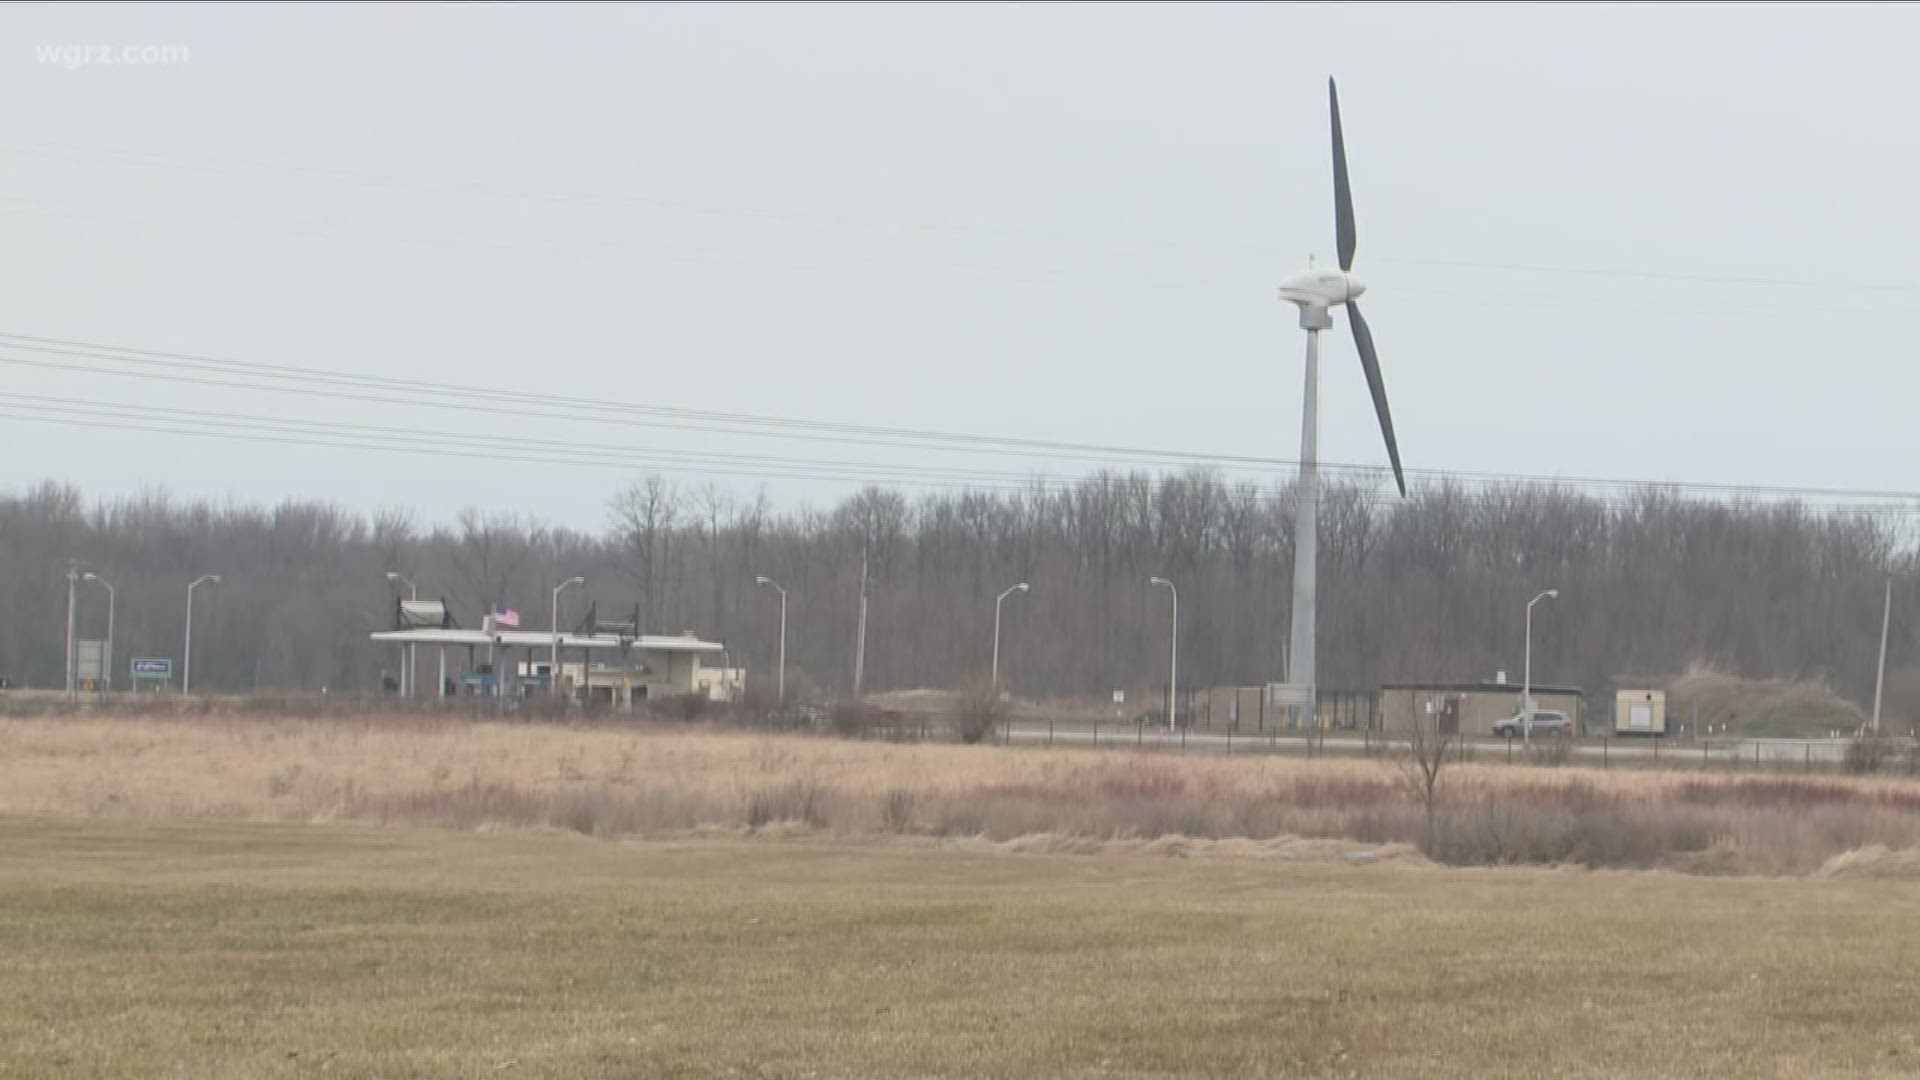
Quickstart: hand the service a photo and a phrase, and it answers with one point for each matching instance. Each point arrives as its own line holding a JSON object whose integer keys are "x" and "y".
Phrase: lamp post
{"x": 106, "y": 666}
{"x": 413, "y": 593}
{"x": 781, "y": 688}
{"x": 997, "y": 601}
{"x": 1173, "y": 664}
{"x": 1526, "y": 675}
{"x": 1879, "y": 672}
{"x": 554, "y": 664}
{"x": 186, "y": 665}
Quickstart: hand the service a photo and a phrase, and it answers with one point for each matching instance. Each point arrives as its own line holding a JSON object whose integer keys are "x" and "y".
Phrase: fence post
{"x": 1183, "y": 738}
{"x": 1049, "y": 733}
{"x": 1809, "y": 748}
{"x": 1139, "y": 735}
{"x": 1604, "y": 743}
{"x": 1096, "y": 733}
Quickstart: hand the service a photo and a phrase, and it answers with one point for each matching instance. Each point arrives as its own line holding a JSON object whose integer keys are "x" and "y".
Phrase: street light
{"x": 554, "y": 664}
{"x": 106, "y": 666}
{"x": 413, "y": 593}
{"x": 781, "y": 691}
{"x": 997, "y": 601}
{"x": 186, "y": 665}
{"x": 1526, "y": 676}
{"x": 1173, "y": 664}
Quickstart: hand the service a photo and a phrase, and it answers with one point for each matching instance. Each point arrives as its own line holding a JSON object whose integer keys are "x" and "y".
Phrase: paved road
{"x": 1680, "y": 752}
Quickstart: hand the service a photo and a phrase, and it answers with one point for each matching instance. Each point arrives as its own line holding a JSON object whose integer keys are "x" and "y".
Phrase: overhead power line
{"x": 289, "y": 431}
{"x": 836, "y": 219}
{"x": 195, "y": 369}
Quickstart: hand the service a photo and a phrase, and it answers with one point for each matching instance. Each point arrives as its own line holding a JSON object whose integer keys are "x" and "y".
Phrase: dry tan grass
{"x": 655, "y": 781}
{"x": 240, "y": 951}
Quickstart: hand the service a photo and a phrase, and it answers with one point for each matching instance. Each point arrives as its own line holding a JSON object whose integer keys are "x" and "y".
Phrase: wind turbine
{"x": 1314, "y": 291}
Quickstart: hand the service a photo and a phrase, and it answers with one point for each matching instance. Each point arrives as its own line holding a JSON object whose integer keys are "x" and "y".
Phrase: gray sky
{"x": 933, "y": 217}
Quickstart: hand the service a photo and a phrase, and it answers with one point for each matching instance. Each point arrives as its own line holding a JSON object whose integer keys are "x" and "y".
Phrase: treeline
{"x": 1430, "y": 587}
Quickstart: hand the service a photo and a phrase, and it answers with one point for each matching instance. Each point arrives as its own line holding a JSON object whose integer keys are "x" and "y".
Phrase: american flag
{"x": 505, "y": 616}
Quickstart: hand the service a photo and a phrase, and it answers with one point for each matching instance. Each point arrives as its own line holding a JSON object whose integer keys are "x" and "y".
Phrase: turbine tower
{"x": 1315, "y": 291}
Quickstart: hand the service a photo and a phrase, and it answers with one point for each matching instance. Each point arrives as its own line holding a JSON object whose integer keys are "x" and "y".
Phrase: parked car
{"x": 1544, "y": 722}
{"x": 1158, "y": 717}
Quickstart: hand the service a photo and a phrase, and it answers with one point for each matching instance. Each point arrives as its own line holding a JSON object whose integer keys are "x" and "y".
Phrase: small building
{"x": 1482, "y": 704}
{"x": 1639, "y": 712}
{"x": 1259, "y": 708}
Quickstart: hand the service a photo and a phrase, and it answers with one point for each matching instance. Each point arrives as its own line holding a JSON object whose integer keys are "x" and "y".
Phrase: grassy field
{"x": 666, "y": 781}
{"x": 135, "y": 948}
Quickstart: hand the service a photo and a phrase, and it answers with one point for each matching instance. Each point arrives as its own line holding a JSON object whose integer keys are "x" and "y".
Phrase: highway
{"x": 1590, "y": 750}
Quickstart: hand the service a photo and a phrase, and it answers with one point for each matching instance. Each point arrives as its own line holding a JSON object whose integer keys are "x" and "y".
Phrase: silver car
{"x": 1543, "y": 722}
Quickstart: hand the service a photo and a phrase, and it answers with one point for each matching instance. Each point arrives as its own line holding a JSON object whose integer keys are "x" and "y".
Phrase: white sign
{"x": 1119, "y": 697}
{"x": 91, "y": 663}
{"x": 1285, "y": 694}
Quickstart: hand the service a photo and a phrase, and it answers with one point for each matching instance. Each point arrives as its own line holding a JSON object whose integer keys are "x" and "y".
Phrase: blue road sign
{"x": 152, "y": 667}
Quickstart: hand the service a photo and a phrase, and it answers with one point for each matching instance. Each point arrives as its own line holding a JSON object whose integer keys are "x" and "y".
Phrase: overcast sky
{"x": 1015, "y": 220}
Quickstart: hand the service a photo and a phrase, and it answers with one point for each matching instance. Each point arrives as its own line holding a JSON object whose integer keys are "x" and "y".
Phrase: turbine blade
{"x": 1342, "y": 192}
{"x": 1370, "y": 361}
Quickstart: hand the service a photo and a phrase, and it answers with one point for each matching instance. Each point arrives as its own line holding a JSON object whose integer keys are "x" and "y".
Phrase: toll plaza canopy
{"x": 618, "y": 669}
{"x": 522, "y": 639}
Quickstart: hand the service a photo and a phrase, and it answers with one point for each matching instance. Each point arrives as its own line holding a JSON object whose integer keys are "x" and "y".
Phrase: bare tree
{"x": 1421, "y": 763}
{"x": 643, "y": 516}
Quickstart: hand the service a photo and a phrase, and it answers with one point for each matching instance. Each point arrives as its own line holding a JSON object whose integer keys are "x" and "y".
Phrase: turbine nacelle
{"x": 1321, "y": 287}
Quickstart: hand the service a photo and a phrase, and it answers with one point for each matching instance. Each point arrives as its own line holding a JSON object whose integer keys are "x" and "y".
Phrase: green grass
{"x": 147, "y": 948}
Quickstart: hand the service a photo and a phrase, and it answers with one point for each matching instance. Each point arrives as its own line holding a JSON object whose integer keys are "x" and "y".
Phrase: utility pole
{"x": 860, "y": 644}
{"x": 106, "y": 663}
{"x": 1880, "y": 674}
{"x": 406, "y": 651}
{"x": 73, "y": 578}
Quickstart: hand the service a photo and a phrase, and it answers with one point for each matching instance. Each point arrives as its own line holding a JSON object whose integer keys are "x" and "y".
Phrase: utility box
{"x": 1640, "y": 712}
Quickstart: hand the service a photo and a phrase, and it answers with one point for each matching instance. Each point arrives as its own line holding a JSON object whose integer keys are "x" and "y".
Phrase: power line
{"x": 44, "y": 148}
{"x": 265, "y": 430}
{"x": 311, "y": 382}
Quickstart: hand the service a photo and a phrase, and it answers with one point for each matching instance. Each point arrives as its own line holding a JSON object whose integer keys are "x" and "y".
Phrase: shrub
{"x": 852, "y": 719}
{"x": 981, "y": 710}
{"x": 896, "y": 809}
{"x": 1868, "y": 753}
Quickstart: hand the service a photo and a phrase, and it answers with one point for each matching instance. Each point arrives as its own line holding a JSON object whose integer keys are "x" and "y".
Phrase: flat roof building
{"x": 1482, "y": 704}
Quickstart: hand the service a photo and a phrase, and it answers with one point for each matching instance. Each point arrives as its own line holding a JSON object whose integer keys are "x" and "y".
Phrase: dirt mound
{"x": 1756, "y": 708}
{"x": 1875, "y": 862}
